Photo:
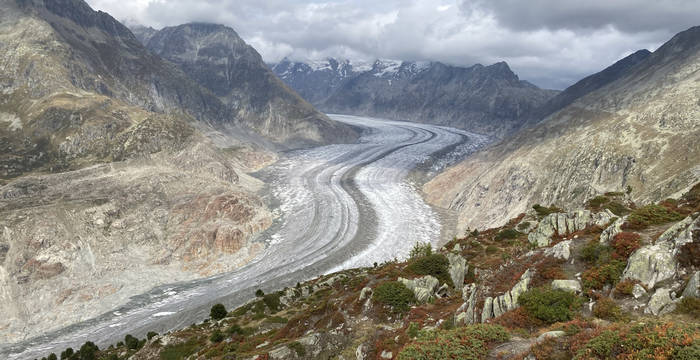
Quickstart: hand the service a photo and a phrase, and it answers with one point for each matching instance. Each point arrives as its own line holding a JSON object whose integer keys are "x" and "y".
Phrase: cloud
{"x": 551, "y": 43}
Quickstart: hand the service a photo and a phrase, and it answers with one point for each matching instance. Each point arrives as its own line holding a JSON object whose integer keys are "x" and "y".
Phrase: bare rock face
{"x": 692, "y": 289}
{"x": 485, "y": 99}
{"x": 566, "y": 223}
{"x": 495, "y": 307}
{"x": 640, "y": 130}
{"x": 423, "y": 287}
{"x": 220, "y": 61}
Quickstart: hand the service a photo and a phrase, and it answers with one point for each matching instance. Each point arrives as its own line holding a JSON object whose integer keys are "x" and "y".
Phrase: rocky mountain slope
{"x": 118, "y": 171}
{"x": 638, "y": 133}
{"x": 608, "y": 280}
{"x": 487, "y": 99}
{"x": 219, "y": 60}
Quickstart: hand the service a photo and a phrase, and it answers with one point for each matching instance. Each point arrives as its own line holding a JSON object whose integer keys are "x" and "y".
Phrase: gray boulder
{"x": 458, "y": 268}
{"x": 638, "y": 291}
{"x": 550, "y": 334}
{"x": 693, "y": 287}
{"x": 567, "y": 285}
{"x": 561, "y": 250}
{"x": 681, "y": 233}
{"x": 495, "y": 307}
{"x": 566, "y": 223}
{"x": 609, "y": 233}
{"x": 651, "y": 264}
{"x": 423, "y": 288}
{"x": 660, "y": 303}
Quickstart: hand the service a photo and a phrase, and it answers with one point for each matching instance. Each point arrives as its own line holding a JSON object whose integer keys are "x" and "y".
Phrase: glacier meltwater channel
{"x": 339, "y": 206}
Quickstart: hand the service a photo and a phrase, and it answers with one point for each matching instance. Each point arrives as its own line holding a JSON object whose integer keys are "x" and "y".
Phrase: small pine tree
{"x": 66, "y": 353}
{"x": 52, "y": 356}
{"x": 131, "y": 342}
{"x": 151, "y": 335}
{"x": 259, "y": 293}
{"x": 218, "y": 312}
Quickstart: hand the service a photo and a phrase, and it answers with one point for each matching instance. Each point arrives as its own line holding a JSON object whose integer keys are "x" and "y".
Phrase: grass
{"x": 544, "y": 211}
{"x": 180, "y": 351}
{"x": 550, "y": 305}
{"x": 507, "y": 234}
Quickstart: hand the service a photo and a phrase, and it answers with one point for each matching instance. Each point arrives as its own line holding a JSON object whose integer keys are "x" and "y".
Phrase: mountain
{"x": 487, "y": 99}
{"x": 219, "y": 60}
{"x": 590, "y": 84}
{"x": 143, "y": 33}
{"x": 119, "y": 172}
{"x": 640, "y": 131}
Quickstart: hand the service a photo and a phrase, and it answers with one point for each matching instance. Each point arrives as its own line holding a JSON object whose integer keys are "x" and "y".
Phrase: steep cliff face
{"x": 108, "y": 185}
{"x": 219, "y": 60}
{"x": 641, "y": 130}
{"x": 486, "y": 99}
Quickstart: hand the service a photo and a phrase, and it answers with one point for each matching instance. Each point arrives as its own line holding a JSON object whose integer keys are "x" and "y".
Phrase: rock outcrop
{"x": 496, "y": 306}
{"x": 423, "y": 288}
{"x": 457, "y": 269}
{"x": 567, "y": 285}
{"x": 692, "y": 288}
{"x": 623, "y": 134}
{"x": 660, "y": 303}
{"x": 566, "y": 223}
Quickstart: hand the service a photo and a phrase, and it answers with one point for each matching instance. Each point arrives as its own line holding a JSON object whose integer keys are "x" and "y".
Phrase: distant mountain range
{"x": 487, "y": 99}
{"x": 631, "y": 127}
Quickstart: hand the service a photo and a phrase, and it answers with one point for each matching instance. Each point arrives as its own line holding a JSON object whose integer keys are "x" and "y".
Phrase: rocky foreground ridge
{"x": 611, "y": 280}
{"x": 639, "y": 132}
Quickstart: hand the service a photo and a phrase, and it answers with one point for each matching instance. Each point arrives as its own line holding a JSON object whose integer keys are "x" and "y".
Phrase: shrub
{"x": 394, "y": 294}
{"x": 259, "y": 293}
{"x": 52, "y": 356}
{"x": 648, "y": 340}
{"x": 598, "y": 201}
{"x": 298, "y": 348}
{"x": 88, "y": 351}
{"x": 690, "y": 306}
{"x": 689, "y": 254}
{"x": 421, "y": 249}
{"x": 273, "y": 301}
{"x": 131, "y": 342}
{"x": 491, "y": 249}
{"x": 625, "y": 287}
{"x": 523, "y": 225}
{"x": 66, "y": 353}
{"x": 549, "y": 305}
{"x": 436, "y": 265}
{"x": 216, "y": 336}
{"x": 544, "y": 211}
{"x": 607, "y": 274}
{"x": 218, "y": 312}
{"x": 624, "y": 244}
{"x": 595, "y": 253}
{"x": 276, "y": 320}
{"x": 518, "y": 319}
{"x": 471, "y": 342}
{"x": 651, "y": 215}
{"x": 507, "y": 234}
{"x": 607, "y": 309}
{"x": 413, "y": 329}
{"x": 235, "y": 329}
{"x": 549, "y": 269}
{"x": 617, "y": 208}
{"x": 151, "y": 335}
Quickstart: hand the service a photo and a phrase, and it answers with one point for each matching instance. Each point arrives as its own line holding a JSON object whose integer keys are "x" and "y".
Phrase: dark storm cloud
{"x": 551, "y": 43}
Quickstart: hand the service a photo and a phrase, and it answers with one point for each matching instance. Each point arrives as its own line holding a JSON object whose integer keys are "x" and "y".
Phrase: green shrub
{"x": 259, "y": 293}
{"x": 607, "y": 309}
{"x": 436, "y": 265}
{"x": 651, "y": 215}
{"x": 550, "y": 305}
{"x": 65, "y": 354}
{"x": 235, "y": 329}
{"x": 421, "y": 249}
{"x": 218, "y": 312}
{"x": 596, "y": 253}
{"x": 507, "y": 234}
{"x": 523, "y": 225}
{"x": 617, "y": 208}
{"x": 689, "y": 305}
{"x": 614, "y": 193}
{"x": 469, "y": 343}
{"x": 52, "y": 356}
{"x": 273, "y": 301}
{"x": 544, "y": 211}
{"x": 216, "y": 336}
{"x": 131, "y": 342}
{"x": 88, "y": 351}
{"x": 151, "y": 335}
{"x": 606, "y": 274}
{"x": 413, "y": 329}
{"x": 298, "y": 348}
{"x": 491, "y": 249}
{"x": 597, "y": 201}
{"x": 394, "y": 294}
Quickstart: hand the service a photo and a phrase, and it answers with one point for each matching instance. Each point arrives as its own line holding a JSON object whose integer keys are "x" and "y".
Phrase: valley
{"x": 337, "y": 207}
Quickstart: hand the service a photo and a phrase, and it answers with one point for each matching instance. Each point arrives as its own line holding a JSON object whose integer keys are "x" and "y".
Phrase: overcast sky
{"x": 552, "y": 43}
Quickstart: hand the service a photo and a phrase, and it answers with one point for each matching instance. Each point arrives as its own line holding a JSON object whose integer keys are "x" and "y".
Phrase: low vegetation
{"x": 550, "y": 305}
{"x": 395, "y": 295}
{"x": 471, "y": 342}
{"x": 652, "y": 214}
{"x": 435, "y": 265}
